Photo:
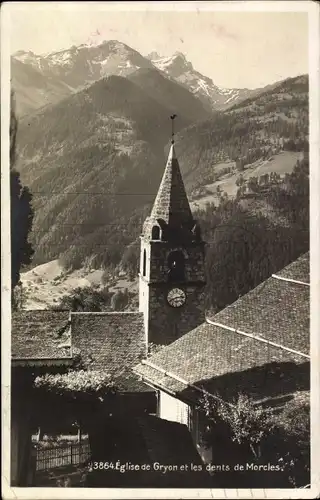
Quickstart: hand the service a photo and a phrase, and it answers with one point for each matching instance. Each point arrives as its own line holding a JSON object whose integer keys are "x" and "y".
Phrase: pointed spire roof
{"x": 171, "y": 203}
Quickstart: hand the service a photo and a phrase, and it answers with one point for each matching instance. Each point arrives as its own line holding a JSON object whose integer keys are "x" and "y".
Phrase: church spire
{"x": 171, "y": 203}
{"x": 171, "y": 218}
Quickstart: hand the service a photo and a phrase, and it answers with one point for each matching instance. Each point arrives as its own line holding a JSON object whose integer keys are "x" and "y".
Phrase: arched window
{"x": 144, "y": 263}
{"x": 176, "y": 264}
{"x": 155, "y": 233}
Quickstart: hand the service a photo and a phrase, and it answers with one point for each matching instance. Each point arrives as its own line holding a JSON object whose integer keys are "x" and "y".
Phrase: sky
{"x": 235, "y": 49}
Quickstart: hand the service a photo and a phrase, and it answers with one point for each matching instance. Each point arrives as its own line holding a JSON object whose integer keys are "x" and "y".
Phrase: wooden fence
{"x": 61, "y": 456}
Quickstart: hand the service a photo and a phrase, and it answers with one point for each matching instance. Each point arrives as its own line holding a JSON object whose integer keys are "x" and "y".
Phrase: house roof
{"x": 246, "y": 347}
{"x": 113, "y": 342}
{"x": 298, "y": 269}
{"x": 40, "y": 335}
{"x": 276, "y": 310}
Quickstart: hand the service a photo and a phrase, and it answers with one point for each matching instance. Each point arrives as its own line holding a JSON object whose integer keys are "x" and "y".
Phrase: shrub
{"x": 76, "y": 382}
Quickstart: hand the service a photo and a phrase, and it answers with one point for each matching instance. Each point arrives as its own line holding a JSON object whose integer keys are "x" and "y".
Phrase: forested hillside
{"x": 94, "y": 161}
{"x": 170, "y": 94}
{"x": 90, "y": 162}
{"x": 249, "y": 238}
{"x": 257, "y": 128}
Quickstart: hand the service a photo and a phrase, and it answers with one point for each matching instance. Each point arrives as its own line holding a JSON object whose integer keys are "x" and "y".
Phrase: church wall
{"x": 194, "y": 262}
{"x": 144, "y": 303}
{"x": 165, "y": 323}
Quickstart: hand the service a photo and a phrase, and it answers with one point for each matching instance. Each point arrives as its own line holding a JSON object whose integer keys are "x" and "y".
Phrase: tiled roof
{"x": 223, "y": 361}
{"x": 171, "y": 203}
{"x": 298, "y": 270}
{"x": 113, "y": 342}
{"x": 276, "y": 310}
{"x": 40, "y": 335}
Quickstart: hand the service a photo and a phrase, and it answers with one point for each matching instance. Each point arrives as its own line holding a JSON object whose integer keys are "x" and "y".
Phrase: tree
{"x": 252, "y": 184}
{"x": 85, "y": 299}
{"x": 61, "y": 398}
{"x": 21, "y": 214}
{"x": 256, "y": 432}
{"x": 119, "y": 300}
{"x": 130, "y": 259}
{"x": 244, "y": 247}
{"x": 247, "y": 423}
{"x": 240, "y": 164}
{"x": 240, "y": 180}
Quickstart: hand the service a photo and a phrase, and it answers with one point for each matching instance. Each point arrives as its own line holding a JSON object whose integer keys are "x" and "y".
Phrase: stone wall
{"x": 165, "y": 323}
{"x": 158, "y": 261}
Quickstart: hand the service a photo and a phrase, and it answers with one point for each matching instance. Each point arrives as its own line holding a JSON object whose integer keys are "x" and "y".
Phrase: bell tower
{"x": 172, "y": 275}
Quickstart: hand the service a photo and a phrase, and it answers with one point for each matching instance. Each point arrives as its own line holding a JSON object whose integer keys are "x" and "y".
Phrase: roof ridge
{"x": 290, "y": 280}
{"x": 180, "y": 379}
{"x": 261, "y": 339}
{"x": 104, "y": 313}
{"x": 53, "y": 311}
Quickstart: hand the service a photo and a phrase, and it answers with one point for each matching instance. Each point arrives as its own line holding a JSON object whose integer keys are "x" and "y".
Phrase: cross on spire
{"x": 172, "y": 130}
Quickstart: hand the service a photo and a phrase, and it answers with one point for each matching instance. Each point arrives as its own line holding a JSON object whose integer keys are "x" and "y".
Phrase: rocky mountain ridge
{"x": 41, "y": 80}
{"x": 217, "y": 98}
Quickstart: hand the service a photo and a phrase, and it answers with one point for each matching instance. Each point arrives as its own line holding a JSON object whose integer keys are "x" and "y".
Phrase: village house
{"x": 40, "y": 343}
{"x": 51, "y": 342}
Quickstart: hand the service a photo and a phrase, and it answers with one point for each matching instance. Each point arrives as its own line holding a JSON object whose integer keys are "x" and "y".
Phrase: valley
{"x": 93, "y": 153}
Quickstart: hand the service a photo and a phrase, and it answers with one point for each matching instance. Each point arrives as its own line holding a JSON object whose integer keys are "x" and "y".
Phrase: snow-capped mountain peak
{"x": 71, "y": 69}
{"x": 174, "y": 65}
{"x": 79, "y": 65}
{"x": 178, "y": 67}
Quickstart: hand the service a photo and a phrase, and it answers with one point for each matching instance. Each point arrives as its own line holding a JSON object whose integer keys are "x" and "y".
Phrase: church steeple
{"x": 171, "y": 211}
{"x": 171, "y": 203}
{"x": 172, "y": 271}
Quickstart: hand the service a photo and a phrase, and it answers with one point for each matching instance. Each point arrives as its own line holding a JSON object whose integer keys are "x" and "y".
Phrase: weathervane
{"x": 172, "y": 133}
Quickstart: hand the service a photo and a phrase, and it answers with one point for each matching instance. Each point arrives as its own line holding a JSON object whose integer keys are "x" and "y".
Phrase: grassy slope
{"x": 258, "y": 127}
{"x": 280, "y": 163}
{"x": 46, "y": 284}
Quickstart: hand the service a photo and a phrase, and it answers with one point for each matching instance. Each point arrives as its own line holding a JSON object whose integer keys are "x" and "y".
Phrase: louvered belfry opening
{"x": 176, "y": 265}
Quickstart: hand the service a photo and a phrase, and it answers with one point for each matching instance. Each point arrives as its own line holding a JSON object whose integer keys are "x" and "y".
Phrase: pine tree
{"x": 21, "y": 213}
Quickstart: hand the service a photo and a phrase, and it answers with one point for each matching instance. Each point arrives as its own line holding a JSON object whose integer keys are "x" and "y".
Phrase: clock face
{"x": 176, "y": 297}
